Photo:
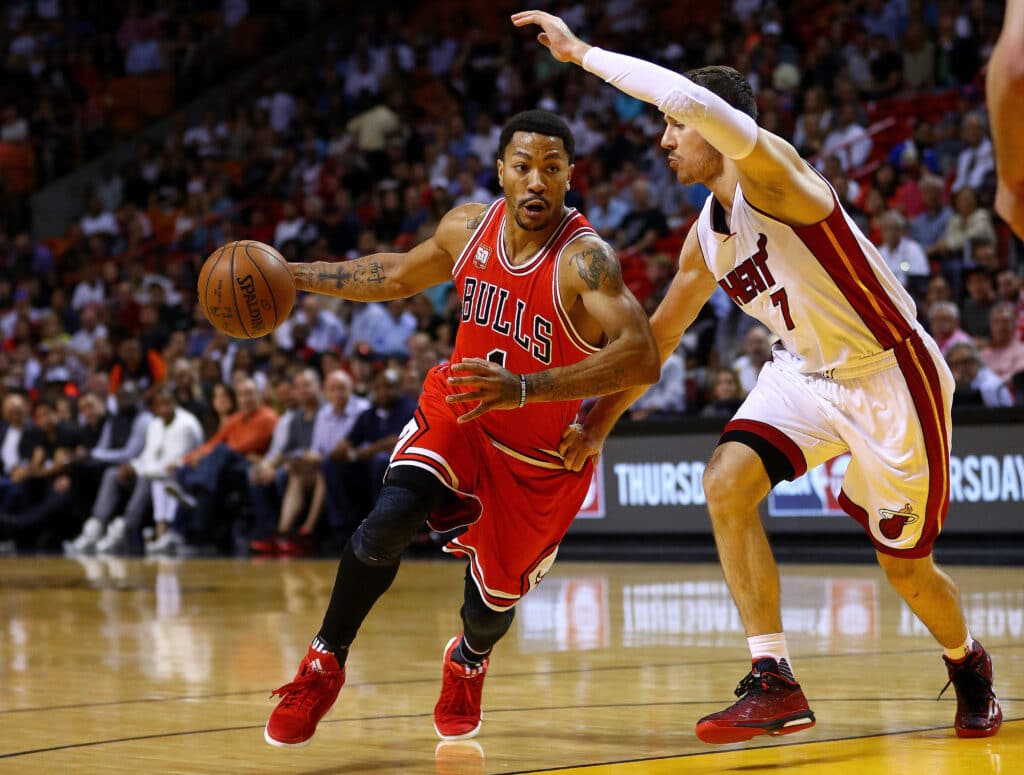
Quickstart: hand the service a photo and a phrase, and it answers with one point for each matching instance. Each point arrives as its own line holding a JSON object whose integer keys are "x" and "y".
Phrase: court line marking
{"x": 494, "y": 677}
{"x": 720, "y": 751}
{"x": 392, "y": 717}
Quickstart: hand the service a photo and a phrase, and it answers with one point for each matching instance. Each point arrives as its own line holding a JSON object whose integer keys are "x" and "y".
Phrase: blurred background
{"x": 137, "y": 136}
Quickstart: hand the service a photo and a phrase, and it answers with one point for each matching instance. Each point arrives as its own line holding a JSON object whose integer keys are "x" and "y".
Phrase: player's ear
{"x": 501, "y": 173}
{"x": 568, "y": 181}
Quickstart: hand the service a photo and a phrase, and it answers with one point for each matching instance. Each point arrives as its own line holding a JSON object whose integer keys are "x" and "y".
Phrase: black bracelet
{"x": 522, "y": 390}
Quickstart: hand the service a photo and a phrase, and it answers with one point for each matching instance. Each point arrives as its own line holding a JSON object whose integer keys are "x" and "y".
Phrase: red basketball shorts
{"x": 517, "y": 505}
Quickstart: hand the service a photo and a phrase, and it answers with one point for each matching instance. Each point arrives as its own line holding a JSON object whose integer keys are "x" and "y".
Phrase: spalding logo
{"x": 892, "y": 522}
{"x": 251, "y": 304}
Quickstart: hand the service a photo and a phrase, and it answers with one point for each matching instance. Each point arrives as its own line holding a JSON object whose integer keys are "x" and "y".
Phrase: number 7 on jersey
{"x": 781, "y": 300}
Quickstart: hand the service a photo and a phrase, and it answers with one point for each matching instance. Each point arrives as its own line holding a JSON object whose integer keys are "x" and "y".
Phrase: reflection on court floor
{"x": 110, "y": 665}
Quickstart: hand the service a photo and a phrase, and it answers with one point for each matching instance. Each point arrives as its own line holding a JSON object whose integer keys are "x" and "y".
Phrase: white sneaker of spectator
{"x": 166, "y": 545}
{"x": 92, "y": 531}
{"x": 114, "y": 541}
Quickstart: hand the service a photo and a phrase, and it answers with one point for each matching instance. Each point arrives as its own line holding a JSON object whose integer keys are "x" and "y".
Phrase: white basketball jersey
{"x": 822, "y": 289}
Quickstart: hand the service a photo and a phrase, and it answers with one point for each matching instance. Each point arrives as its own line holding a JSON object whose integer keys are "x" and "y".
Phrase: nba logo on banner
{"x": 483, "y": 255}
{"x": 593, "y": 504}
{"x": 812, "y": 495}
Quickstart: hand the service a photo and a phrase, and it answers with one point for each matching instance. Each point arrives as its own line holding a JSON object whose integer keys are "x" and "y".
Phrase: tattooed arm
{"x": 589, "y": 277}
{"x": 384, "y": 276}
{"x": 690, "y": 289}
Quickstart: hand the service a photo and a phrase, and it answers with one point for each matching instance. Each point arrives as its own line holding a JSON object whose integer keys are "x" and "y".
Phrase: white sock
{"x": 772, "y": 645}
{"x": 958, "y": 653}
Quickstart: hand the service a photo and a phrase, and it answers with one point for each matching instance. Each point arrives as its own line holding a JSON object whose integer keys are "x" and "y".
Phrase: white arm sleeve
{"x": 732, "y": 132}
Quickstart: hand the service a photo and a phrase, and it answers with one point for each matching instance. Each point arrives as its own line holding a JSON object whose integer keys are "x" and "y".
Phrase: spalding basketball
{"x": 245, "y": 289}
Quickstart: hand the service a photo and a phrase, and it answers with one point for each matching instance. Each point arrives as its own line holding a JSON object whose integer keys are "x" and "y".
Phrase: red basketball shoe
{"x": 771, "y": 702}
{"x": 457, "y": 715}
{"x": 305, "y": 700}
{"x": 977, "y": 709}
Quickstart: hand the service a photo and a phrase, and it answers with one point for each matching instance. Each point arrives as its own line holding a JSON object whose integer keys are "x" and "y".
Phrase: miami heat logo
{"x": 892, "y": 522}
{"x": 483, "y": 255}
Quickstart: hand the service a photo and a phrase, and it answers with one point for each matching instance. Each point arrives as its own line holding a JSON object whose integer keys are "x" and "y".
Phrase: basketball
{"x": 245, "y": 289}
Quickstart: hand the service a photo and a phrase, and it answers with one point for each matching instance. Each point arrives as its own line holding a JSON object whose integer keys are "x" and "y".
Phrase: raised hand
{"x": 490, "y": 384}
{"x": 556, "y": 35}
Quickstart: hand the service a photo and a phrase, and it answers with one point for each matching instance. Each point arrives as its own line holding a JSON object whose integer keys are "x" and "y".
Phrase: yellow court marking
{"x": 934, "y": 751}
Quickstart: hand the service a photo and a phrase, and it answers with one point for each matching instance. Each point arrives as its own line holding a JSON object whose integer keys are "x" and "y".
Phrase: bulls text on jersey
{"x": 488, "y": 305}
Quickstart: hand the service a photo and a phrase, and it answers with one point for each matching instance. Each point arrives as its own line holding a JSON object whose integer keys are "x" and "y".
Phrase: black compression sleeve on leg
{"x": 357, "y": 587}
{"x": 369, "y": 562}
{"x": 482, "y": 626}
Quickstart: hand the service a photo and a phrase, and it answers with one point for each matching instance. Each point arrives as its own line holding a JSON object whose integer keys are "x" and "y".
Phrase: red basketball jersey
{"x": 514, "y": 316}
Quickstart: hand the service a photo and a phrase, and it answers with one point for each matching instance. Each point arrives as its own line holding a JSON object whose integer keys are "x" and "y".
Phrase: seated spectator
{"x": 901, "y": 254}
{"x": 353, "y": 470}
{"x": 666, "y": 398}
{"x": 944, "y": 326}
{"x": 1004, "y": 354}
{"x": 975, "y": 163}
{"x": 290, "y": 448}
{"x": 605, "y": 211}
{"x": 222, "y": 405}
{"x": 757, "y": 351}
{"x": 726, "y": 394}
{"x": 976, "y": 385}
{"x": 221, "y": 466}
{"x": 644, "y": 223}
{"x": 97, "y": 220}
{"x": 1009, "y": 286}
{"x": 324, "y": 329}
{"x": 40, "y": 507}
{"x": 928, "y": 228}
{"x": 19, "y": 437}
{"x": 848, "y": 139}
{"x": 969, "y": 222}
{"x": 146, "y": 368}
{"x": 89, "y": 330}
{"x": 384, "y": 328}
{"x": 185, "y": 386}
{"x": 172, "y": 433}
{"x": 981, "y": 297}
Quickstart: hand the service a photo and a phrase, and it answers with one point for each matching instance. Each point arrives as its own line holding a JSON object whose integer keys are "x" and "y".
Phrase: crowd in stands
{"x": 130, "y": 425}
{"x": 76, "y": 75}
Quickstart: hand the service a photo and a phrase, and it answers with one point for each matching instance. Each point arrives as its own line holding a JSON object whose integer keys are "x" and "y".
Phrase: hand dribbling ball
{"x": 246, "y": 289}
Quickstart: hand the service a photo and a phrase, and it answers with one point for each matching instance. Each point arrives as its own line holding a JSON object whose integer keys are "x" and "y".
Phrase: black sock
{"x": 464, "y": 655}
{"x": 356, "y": 588}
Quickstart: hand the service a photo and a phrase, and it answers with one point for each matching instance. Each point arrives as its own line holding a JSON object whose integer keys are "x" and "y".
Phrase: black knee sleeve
{"x": 483, "y": 626}
{"x": 402, "y": 507}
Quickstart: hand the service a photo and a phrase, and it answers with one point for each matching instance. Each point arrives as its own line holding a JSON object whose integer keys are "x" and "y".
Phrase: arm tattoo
{"x": 543, "y": 383}
{"x": 340, "y": 277}
{"x": 473, "y": 222}
{"x": 325, "y": 277}
{"x": 596, "y": 266}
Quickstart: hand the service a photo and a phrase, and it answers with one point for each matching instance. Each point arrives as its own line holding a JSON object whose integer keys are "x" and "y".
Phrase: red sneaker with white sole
{"x": 771, "y": 703}
{"x": 305, "y": 700}
{"x": 457, "y": 715}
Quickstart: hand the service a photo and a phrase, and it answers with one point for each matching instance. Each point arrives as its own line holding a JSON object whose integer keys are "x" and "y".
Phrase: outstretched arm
{"x": 1004, "y": 84}
{"x": 690, "y": 289}
{"x": 773, "y": 176}
{"x": 589, "y": 273}
{"x": 384, "y": 276}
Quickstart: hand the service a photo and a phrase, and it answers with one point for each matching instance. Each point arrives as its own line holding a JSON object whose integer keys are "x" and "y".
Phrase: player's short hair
{"x": 542, "y": 122}
{"x": 729, "y": 84}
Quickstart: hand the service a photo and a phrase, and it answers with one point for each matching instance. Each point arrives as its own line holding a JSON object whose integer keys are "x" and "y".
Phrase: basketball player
{"x": 546, "y": 321}
{"x": 853, "y": 372}
{"x": 1004, "y": 83}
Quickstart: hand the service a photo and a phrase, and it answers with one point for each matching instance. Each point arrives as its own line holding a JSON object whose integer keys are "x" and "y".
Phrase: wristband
{"x": 522, "y": 391}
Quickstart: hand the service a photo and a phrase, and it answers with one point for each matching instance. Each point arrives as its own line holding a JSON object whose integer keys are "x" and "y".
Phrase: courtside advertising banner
{"x": 652, "y": 484}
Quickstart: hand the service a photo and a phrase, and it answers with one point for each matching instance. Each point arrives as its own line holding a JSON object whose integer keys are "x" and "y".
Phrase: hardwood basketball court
{"x": 110, "y": 665}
